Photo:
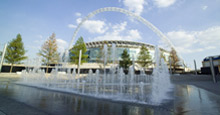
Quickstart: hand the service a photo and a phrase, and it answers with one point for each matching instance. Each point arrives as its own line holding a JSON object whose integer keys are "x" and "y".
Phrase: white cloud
{"x": 119, "y": 27}
{"x": 40, "y": 36}
{"x": 133, "y": 34}
{"x": 164, "y": 3}
{"x": 117, "y": 33}
{"x": 78, "y": 20}
{"x": 204, "y": 7}
{"x": 210, "y": 36}
{"x": 93, "y": 26}
{"x": 39, "y": 41}
{"x": 136, "y": 6}
{"x": 195, "y": 41}
{"x": 71, "y": 26}
{"x": 185, "y": 39}
{"x": 62, "y": 45}
{"x": 78, "y": 14}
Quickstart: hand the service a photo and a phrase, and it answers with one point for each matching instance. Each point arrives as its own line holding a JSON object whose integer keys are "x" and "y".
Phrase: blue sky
{"x": 193, "y": 26}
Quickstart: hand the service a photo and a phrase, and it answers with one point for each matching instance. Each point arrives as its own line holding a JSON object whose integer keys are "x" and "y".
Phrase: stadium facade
{"x": 132, "y": 47}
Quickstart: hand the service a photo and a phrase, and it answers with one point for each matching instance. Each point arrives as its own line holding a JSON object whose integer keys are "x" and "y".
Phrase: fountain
{"x": 114, "y": 85}
{"x": 161, "y": 82}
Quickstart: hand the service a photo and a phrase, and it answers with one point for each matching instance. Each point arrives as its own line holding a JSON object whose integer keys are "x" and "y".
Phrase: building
{"x": 206, "y": 64}
{"x": 132, "y": 47}
{"x": 94, "y": 48}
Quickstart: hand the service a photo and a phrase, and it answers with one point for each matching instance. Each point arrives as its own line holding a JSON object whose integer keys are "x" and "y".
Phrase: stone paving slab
{"x": 206, "y": 85}
{"x": 201, "y": 81}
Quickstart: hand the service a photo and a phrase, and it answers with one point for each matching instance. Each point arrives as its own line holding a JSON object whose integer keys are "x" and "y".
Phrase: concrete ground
{"x": 201, "y": 81}
{"x": 12, "y": 107}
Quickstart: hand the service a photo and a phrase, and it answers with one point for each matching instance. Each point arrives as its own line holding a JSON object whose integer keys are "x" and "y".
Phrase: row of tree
{"x": 15, "y": 53}
{"x": 50, "y": 55}
{"x": 145, "y": 60}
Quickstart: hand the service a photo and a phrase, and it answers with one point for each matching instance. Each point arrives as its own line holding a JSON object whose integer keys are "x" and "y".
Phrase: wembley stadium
{"x": 133, "y": 48}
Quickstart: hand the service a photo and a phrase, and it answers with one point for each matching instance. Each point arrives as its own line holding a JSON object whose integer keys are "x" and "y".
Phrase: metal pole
{"x": 212, "y": 69}
{"x": 3, "y": 56}
{"x": 195, "y": 67}
{"x": 170, "y": 65}
{"x": 80, "y": 54}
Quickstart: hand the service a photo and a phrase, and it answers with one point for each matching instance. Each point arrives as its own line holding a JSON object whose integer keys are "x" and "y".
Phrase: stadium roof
{"x": 119, "y": 43}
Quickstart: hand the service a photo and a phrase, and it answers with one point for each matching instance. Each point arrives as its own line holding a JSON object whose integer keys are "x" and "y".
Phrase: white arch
{"x": 115, "y": 9}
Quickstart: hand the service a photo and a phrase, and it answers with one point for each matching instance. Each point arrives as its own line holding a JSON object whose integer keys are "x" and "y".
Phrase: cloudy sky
{"x": 193, "y": 26}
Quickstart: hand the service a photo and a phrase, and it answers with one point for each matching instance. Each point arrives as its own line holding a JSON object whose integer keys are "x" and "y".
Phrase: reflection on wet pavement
{"x": 187, "y": 100}
{"x": 196, "y": 101}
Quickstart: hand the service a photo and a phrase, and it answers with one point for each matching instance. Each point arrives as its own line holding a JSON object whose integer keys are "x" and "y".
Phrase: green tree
{"x": 79, "y": 45}
{"x": 144, "y": 57}
{"x": 15, "y": 51}
{"x": 126, "y": 60}
{"x": 174, "y": 59}
{"x": 49, "y": 51}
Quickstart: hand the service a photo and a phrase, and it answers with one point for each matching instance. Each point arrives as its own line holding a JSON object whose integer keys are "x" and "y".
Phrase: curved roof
{"x": 217, "y": 57}
{"x": 118, "y": 43}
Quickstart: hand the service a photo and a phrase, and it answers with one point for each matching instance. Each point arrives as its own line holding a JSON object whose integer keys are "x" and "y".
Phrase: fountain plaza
{"x": 112, "y": 92}
{"x": 109, "y": 92}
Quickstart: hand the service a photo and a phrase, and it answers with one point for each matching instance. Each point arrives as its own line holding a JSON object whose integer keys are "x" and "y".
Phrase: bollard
{"x": 212, "y": 69}
{"x": 195, "y": 67}
{"x": 3, "y": 56}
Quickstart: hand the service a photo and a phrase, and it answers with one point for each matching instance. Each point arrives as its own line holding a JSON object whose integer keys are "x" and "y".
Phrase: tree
{"x": 15, "y": 51}
{"x": 144, "y": 57}
{"x": 174, "y": 59}
{"x": 126, "y": 60}
{"x": 49, "y": 51}
{"x": 79, "y": 45}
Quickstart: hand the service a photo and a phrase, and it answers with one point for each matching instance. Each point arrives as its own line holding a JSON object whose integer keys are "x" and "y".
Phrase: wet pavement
{"x": 185, "y": 100}
{"x": 195, "y": 101}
